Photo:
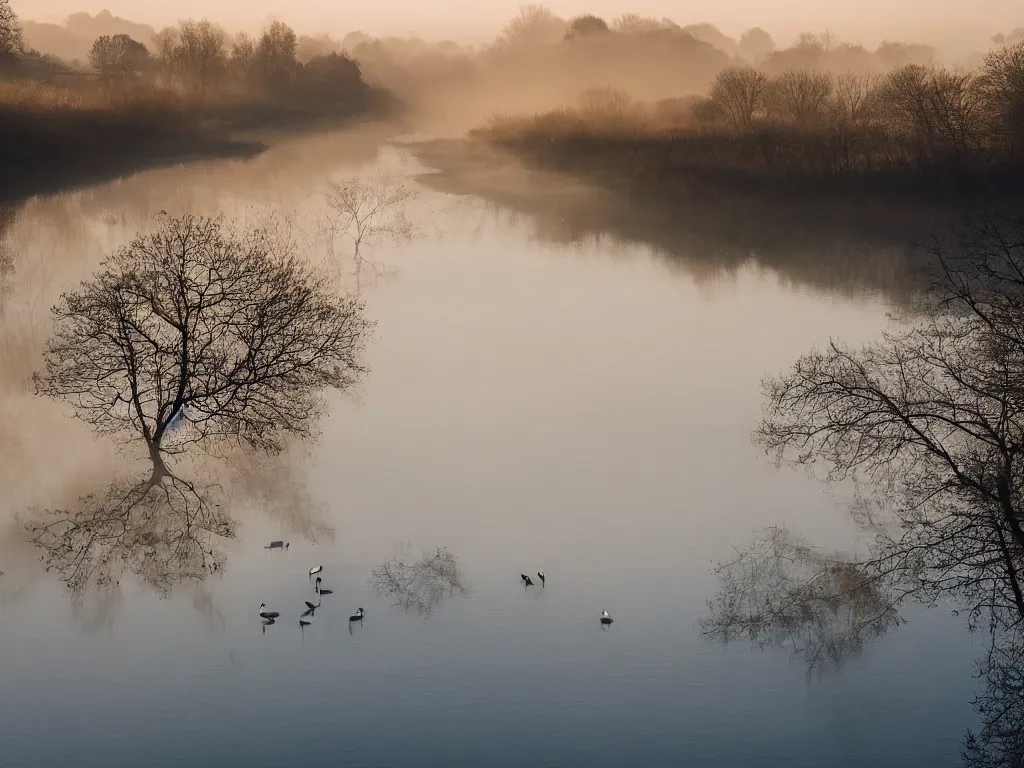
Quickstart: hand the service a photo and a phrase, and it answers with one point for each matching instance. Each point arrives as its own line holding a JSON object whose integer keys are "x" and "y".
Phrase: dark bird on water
{"x": 303, "y": 623}
{"x": 605, "y": 618}
{"x": 277, "y": 545}
{"x": 320, "y": 591}
{"x": 267, "y": 614}
{"x": 527, "y": 581}
{"x": 540, "y": 575}
{"x": 357, "y": 616}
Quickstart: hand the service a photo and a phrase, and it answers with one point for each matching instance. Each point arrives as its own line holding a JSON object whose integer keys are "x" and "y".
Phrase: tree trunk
{"x": 160, "y": 470}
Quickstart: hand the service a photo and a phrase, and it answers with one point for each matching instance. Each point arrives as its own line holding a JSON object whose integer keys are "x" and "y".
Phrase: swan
{"x": 322, "y": 591}
{"x": 540, "y": 575}
{"x": 605, "y": 618}
{"x": 315, "y": 569}
{"x": 267, "y": 614}
{"x": 357, "y": 616}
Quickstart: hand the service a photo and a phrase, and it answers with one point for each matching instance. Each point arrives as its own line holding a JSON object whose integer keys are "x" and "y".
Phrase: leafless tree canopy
{"x": 241, "y": 334}
{"x": 10, "y": 30}
{"x": 420, "y": 585}
{"x": 933, "y": 417}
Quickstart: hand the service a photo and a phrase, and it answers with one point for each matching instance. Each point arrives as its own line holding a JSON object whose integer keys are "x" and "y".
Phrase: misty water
{"x": 580, "y": 407}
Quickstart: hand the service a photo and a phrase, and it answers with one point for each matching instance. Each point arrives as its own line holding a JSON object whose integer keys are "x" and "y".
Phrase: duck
{"x": 357, "y": 616}
{"x": 540, "y": 575}
{"x": 267, "y": 614}
{"x": 605, "y": 618}
{"x": 315, "y": 569}
{"x": 320, "y": 591}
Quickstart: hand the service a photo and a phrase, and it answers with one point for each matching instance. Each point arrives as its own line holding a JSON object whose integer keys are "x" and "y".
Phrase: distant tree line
{"x": 200, "y": 58}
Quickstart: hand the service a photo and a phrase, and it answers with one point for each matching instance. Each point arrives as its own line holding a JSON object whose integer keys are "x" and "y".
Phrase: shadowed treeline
{"x": 189, "y": 90}
{"x": 849, "y": 248}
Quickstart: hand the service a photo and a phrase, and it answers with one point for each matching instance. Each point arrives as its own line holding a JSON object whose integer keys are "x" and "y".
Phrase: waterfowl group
{"x": 270, "y": 617}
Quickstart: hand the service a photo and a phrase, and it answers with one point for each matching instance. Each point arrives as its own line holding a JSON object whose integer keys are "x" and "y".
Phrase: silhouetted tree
{"x": 10, "y": 31}
{"x": 586, "y": 25}
{"x": 196, "y": 336}
{"x": 932, "y": 417}
{"x": 738, "y": 94}
{"x": 800, "y": 96}
{"x": 118, "y": 57}
{"x": 199, "y": 53}
{"x": 1004, "y": 80}
{"x": 533, "y": 25}
{"x": 275, "y": 55}
{"x": 635, "y": 24}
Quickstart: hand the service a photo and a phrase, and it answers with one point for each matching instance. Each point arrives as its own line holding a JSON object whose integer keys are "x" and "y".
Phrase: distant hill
{"x": 73, "y": 39}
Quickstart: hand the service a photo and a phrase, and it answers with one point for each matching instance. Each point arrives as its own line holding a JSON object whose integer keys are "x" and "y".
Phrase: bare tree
{"x": 1004, "y": 82}
{"x": 932, "y": 416}
{"x": 365, "y": 211}
{"x": 10, "y": 31}
{"x": 586, "y": 25}
{"x": 194, "y": 335}
{"x": 118, "y": 57}
{"x": 637, "y": 24}
{"x": 738, "y": 94}
{"x": 276, "y": 55}
{"x": 200, "y": 53}
{"x": 800, "y": 96}
{"x": 420, "y": 585}
{"x": 533, "y": 25}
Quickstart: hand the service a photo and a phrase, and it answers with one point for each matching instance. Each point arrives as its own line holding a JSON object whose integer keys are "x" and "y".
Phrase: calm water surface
{"x": 583, "y": 410}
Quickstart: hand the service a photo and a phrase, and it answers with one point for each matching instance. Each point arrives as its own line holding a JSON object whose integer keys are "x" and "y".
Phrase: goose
{"x": 605, "y": 618}
{"x": 357, "y": 616}
{"x": 540, "y": 575}
{"x": 315, "y": 569}
{"x": 322, "y": 591}
{"x": 264, "y": 613}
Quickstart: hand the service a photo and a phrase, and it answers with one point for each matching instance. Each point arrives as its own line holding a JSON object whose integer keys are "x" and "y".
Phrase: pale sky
{"x": 865, "y": 21}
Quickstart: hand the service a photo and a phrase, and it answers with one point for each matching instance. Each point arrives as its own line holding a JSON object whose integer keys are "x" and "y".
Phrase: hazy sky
{"x": 866, "y": 21}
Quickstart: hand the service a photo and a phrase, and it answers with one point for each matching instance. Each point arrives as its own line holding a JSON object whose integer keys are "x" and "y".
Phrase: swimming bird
{"x": 524, "y": 577}
{"x": 528, "y": 581}
{"x": 605, "y": 618}
{"x": 540, "y": 575}
{"x": 357, "y": 616}
{"x": 276, "y": 545}
{"x": 322, "y": 591}
{"x": 267, "y": 614}
{"x": 315, "y": 569}
{"x": 303, "y": 623}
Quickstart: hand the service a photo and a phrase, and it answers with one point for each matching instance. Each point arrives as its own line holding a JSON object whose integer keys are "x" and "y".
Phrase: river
{"x": 575, "y": 405}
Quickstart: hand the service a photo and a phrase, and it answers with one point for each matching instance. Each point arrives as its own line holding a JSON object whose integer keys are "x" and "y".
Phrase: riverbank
{"x": 847, "y": 246}
{"x": 53, "y": 139}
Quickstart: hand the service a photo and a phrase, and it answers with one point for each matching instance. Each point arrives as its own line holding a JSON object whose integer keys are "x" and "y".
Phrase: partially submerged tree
{"x": 364, "y": 211}
{"x": 194, "y": 335}
{"x": 420, "y": 585}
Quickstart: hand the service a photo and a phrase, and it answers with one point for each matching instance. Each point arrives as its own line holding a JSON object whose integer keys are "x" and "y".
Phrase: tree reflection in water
{"x": 164, "y": 531}
{"x": 420, "y": 585}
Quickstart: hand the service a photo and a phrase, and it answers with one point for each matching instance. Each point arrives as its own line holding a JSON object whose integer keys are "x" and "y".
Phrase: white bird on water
{"x": 315, "y": 569}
